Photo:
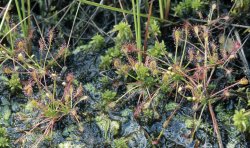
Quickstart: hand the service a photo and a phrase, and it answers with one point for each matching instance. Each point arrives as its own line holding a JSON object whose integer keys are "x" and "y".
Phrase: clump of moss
{"x": 154, "y": 28}
{"x": 105, "y": 61}
{"x": 120, "y": 143}
{"x": 158, "y": 50}
{"x": 108, "y": 127}
{"x": 188, "y": 6}
{"x": 171, "y": 106}
{"x": 108, "y": 95}
{"x": 94, "y": 45}
{"x": 4, "y": 141}
{"x": 124, "y": 32}
{"x": 5, "y": 113}
{"x": 146, "y": 116}
{"x": 14, "y": 83}
{"x": 69, "y": 144}
{"x": 241, "y": 120}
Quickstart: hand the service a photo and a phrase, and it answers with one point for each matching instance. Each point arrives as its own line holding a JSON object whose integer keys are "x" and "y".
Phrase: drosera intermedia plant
{"x": 188, "y": 76}
{"x": 41, "y": 84}
{"x": 52, "y": 108}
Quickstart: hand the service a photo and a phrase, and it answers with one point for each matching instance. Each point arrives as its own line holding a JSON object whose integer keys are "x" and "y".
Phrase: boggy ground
{"x": 98, "y": 128}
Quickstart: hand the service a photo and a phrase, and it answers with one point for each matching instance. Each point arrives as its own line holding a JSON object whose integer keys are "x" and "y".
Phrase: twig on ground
{"x": 215, "y": 124}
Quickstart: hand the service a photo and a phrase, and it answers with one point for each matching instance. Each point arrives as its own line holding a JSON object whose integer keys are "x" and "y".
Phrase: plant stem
{"x": 161, "y": 9}
{"x": 185, "y": 45}
{"x": 71, "y": 31}
{"x": 54, "y": 92}
{"x": 147, "y": 26}
{"x": 29, "y": 43}
{"x": 126, "y": 93}
{"x": 9, "y": 31}
{"x": 5, "y": 13}
{"x": 138, "y": 38}
{"x": 134, "y": 15}
{"x": 24, "y": 15}
{"x": 213, "y": 95}
{"x": 167, "y": 8}
{"x": 199, "y": 120}
{"x": 11, "y": 38}
{"x": 28, "y": 11}
{"x": 19, "y": 14}
{"x": 166, "y": 123}
{"x": 176, "y": 50}
{"x": 121, "y": 10}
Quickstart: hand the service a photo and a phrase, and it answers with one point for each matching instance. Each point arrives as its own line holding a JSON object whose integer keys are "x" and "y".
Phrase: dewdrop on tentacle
{"x": 196, "y": 30}
{"x": 117, "y": 63}
{"x": 20, "y": 57}
{"x": 191, "y": 54}
{"x": 51, "y": 34}
{"x": 28, "y": 90}
{"x": 226, "y": 93}
{"x": 53, "y": 76}
{"x": 177, "y": 36}
{"x": 153, "y": 67}
{"x": 165, "y": 77}
{"x": 64, "y": 83}
{"x": 41, "y": 44}
{"x": 205, "y": 34}
{"x": 213, "y": 7}
{"x": 180, "y": 89}
{"x": 243, "y": 81}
